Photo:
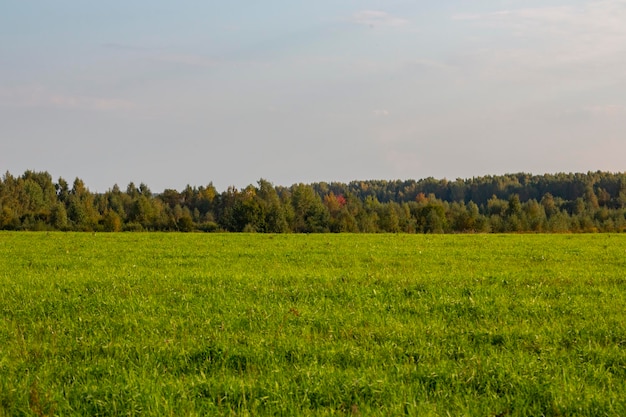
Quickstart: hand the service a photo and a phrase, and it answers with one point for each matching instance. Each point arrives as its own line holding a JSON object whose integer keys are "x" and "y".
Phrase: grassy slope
{"x": 194, "y": 324}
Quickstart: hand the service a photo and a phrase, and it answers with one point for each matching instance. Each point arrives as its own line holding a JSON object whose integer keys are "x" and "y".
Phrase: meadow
{"x": 250, "y": 324}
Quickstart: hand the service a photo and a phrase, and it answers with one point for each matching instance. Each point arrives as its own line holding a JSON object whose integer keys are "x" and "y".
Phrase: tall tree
{"x": 275, "y": 219}
{"x": 311, "y": 216}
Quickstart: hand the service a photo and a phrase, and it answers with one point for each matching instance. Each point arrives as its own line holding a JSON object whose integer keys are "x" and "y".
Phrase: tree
{"x": 310, "y": 214}
{"x": 63, "y": 191}
{"x": 58, "y": 216}
{"x": 621, "y": 199}
{"x": 536, "y": 216}
{"x": 559, "y": 223}
{"x": 77, "y": 214}
{"x": 185, "y": 222}
{"x": 514, "y": 219}
{"x": 241, "y": 210}
{"x": 275, "y": 219}
{"x": 144, "y": 190}
{"x": 112, "y": 221}
{"x": 434, "y": 218}
{"x": 33, "y": 196}
{"x": 388, "y": 219}
{"x": 171, "y": 198}
{"x": 117, "y": 201}
{"x": 142, "y": 212}
{"x": 514, "y": 207}
{"x": 549, "y": 206}
{"x": 496, "y": 207}
{"x": 430, "y": 214}
{"x": 132, "y": 190}
{"x": 591, "y": 199}
{"x": 81, "y": 211}
{"x": 206, "y": 200}
{"x": 340, "y": 219}
{"x": 8, "y": 219}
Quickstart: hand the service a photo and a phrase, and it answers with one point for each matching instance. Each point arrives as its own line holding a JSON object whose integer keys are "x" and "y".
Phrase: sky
{"x": 198, "y": 92}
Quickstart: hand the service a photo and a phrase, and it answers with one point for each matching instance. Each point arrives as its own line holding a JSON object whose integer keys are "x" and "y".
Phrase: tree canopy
{"x": 573, "y": 202}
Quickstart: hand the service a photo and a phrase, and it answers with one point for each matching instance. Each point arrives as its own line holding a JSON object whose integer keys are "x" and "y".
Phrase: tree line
{"x": 555, "y": 203}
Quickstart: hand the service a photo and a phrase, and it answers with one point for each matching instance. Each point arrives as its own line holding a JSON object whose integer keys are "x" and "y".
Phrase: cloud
{"x": 597, "y": 25}
{"x": 35, "y": 96}
{"x": 563, "y": 13}
{"x": 382, "y": 112}
{"x": 565, "y": 45}
{"x": 374, "y": 18}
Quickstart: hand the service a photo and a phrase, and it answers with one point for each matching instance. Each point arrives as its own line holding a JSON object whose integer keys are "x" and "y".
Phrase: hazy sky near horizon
{"x": 192, "y": 92}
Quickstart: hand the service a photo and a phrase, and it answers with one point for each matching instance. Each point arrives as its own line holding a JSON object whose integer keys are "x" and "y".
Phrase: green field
{"x": 245, "y": 324}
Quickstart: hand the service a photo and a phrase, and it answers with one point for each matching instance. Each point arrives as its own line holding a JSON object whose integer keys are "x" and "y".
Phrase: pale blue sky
{"x": 189, "y": 92}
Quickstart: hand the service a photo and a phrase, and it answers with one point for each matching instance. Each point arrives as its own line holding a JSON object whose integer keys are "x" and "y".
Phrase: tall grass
{"x": 195, "y": 324}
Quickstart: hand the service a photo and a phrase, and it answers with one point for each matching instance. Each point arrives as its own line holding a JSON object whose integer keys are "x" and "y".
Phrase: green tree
{"x": 388, "y": 219}
{"x": 132, "y": 191}
{"x": 48, "y": 189}
{"x": 185, "y": 222}
{"x": 117, "y": 201}
{"x": 144, "y": 190}
{"x": 8, "y": 219}
{"x": 591, "y": 199}
{"x": 514, "y": 206}
{"x": 549, "y": 205}
{"x": 496, "y": 206}
{"x": 81, "y": 211}
{"x": 241, "y": 210}
{"x": 206, "y": 202}
{"x": 33, "y": 196}
{"x": 434, "y": 218}
{"x": 275, "y": 219}
{"x": 514, "y": 219}
{"x": 112, "y": 221}
{"x": 63, "y": 191}
{"x": 310, "y": 214}
{"x": 462, "y": 220}
{"x": 58, "y": 216}
{"x": 430, "y": 214}
{"x": 559, "y": 223}
{"x": 77, "y": 214}
{"x": 535, "y": 215}
{"x": 142, "y": 212}
{"x": 340, "y": 217}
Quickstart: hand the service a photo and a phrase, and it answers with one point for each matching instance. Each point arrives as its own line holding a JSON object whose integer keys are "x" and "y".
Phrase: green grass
{"x": 217, "y": 324}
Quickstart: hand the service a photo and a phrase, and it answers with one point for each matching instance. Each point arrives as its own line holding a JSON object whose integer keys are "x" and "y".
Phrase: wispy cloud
{"x": 374, "y": 18}
{"x": 35, "y": 96}
{"x": 598, "y": 23}
{"x": 566, "y": 44}
{"x": 545, "y": 14}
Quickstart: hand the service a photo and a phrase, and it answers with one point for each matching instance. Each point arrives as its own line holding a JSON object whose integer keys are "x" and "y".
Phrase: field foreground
{"x": 244, "y": 324}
